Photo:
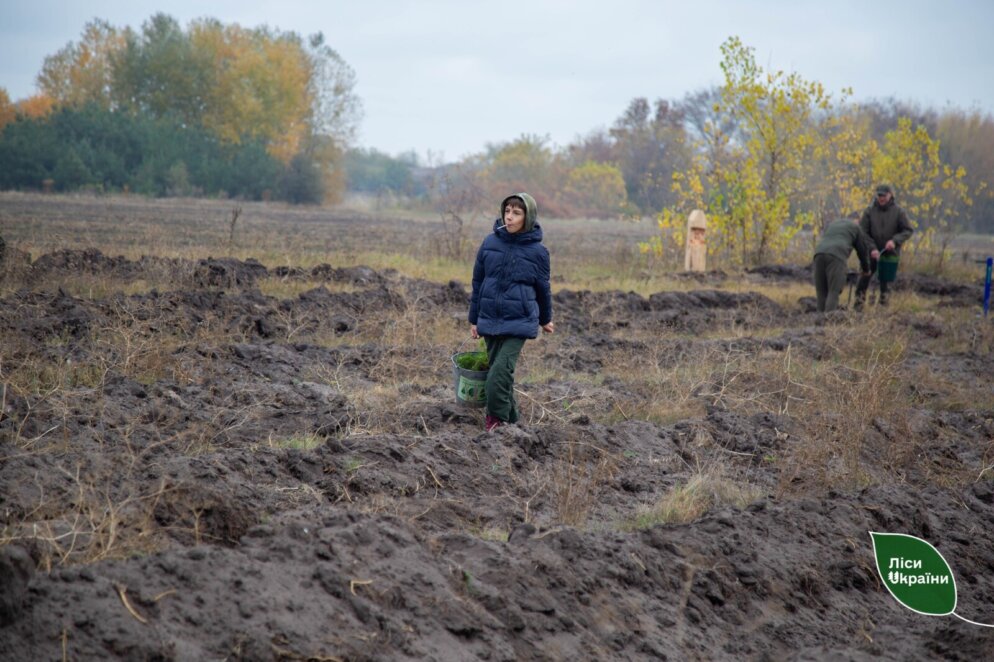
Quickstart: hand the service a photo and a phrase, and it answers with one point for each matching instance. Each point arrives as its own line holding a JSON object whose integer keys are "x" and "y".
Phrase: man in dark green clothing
{"x": 831, "y": 255}
{"x": 888, "y": 228}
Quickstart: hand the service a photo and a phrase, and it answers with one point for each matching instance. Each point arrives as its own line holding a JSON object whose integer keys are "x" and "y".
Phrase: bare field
{"x": 239, "y": 441}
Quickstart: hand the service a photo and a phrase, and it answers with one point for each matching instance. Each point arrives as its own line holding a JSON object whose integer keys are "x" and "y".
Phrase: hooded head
{"x": 885, "y": 195}
{"x": 531, "y": 209}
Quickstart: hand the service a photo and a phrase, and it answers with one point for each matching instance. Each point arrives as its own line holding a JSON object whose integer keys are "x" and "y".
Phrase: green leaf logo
{"x": 915, "y": 573}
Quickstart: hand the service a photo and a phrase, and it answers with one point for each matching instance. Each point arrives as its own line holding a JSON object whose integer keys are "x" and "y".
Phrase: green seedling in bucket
{"x": 478, "y": 360}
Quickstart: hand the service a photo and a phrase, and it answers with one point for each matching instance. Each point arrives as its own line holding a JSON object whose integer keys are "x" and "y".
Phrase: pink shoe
{"x": 492, "y": 423}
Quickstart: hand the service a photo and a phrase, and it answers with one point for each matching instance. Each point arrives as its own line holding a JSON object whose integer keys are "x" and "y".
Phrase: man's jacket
{"x": 884, "y": 223}
{"x": 840, "y": 238}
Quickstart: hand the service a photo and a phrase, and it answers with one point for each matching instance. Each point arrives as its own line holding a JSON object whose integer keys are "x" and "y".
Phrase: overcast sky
{"x": 451, "y": 76}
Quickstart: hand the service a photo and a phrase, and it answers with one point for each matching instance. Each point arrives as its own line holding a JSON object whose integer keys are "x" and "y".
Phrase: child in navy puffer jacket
{"x": 511, "y": 299}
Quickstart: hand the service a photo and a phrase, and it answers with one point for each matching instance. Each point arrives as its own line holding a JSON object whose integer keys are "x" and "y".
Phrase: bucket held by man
{"x": 887, "y": 267}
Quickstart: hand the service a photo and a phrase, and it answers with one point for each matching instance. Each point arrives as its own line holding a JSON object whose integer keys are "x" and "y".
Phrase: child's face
{"x": 514, "y": 219}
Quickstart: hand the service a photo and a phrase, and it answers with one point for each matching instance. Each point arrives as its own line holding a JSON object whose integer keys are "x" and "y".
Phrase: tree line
{"x": 207, "y": 109}
{"x": 766, "y": 154}
{"x": 214, "y": 109}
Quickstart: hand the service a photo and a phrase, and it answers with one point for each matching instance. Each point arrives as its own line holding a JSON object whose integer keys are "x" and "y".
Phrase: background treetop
{"x": 238, "y": 83}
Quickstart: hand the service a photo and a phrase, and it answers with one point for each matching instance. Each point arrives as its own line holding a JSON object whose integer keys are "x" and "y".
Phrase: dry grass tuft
{"x": 300, "y": 442}
{"x": 845, "y": 398}
{"x": 666, "y": 376}
{"x": 89, "y": 525}
{"x": 575, "y": 481}
{"x": 687, "y": 502}
{"x": 495, "y": 534}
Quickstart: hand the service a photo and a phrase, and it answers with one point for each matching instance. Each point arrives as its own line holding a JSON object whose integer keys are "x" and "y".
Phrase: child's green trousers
{"x": 503, "y": 352}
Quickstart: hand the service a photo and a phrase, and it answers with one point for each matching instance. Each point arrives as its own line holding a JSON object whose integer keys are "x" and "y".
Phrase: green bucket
{"x": 470, "y": 384}
{"x": 887, "y": 267}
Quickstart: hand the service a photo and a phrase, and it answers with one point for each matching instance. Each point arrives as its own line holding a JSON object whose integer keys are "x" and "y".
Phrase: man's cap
{"x": 884, "y": 188}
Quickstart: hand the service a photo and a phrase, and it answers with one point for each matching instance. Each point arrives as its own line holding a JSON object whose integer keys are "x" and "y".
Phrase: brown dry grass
{"x": 89, "y": 524}
{"x": 838, "y": 404}
{"x": 131, "y": 343}
{"x": 576, "y": 479}
{"x": 687, "y": 502}
{"x": 417, "y": 347}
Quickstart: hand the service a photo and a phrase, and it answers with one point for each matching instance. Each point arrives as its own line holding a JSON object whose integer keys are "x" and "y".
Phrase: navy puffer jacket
{"x": 511, "y": 292}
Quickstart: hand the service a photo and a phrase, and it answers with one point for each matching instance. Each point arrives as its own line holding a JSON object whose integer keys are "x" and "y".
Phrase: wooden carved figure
{"x": 697, "y": 248}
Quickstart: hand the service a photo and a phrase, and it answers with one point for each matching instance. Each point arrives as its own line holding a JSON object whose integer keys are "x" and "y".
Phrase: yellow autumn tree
{"x": 83, "y": 72}
{"x": 933, "y": 193}
{"x": 967, "y": 139}
{"x": 790, "y": 157}
{"x": 841, "y": 172}
{"x": 238, "y": 83}
{"x": 749, "y": 192}
{"x": 596, "y": 189}
{"x": 36, "y": 106}
{"x": 526, "y": 164}
{"x": 260, "y": 85}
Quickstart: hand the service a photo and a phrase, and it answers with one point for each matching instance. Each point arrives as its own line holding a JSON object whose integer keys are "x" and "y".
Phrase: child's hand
{"x": 473, "y": 332}
{"x": 549, "y": 328}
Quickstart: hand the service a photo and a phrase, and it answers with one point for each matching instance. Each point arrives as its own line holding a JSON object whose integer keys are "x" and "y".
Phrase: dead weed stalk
{"x": 90, "y": 524}
{"x": 575, "y": 480}
{"x": 841, "y": 401}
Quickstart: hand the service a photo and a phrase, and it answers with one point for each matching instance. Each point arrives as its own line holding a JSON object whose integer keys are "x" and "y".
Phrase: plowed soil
{"x": 202, "y": 471}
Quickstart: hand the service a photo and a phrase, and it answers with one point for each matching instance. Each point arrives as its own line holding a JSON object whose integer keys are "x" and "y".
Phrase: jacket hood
{"x": 531, "y": 210}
